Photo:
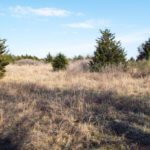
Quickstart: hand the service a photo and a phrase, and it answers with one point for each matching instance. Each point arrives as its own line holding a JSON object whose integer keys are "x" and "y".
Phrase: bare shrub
{"x": 78, "y": 66}
{"x": 140, "y": 68}
{"x": 113, "y": 68}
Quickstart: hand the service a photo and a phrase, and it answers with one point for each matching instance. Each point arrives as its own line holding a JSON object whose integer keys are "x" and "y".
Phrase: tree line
{"x": 108, "y": 52}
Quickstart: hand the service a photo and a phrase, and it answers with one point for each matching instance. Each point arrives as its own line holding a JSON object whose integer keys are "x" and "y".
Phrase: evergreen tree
{"x": 49, "y": 58}
{"x": 3, "y": 58}
{"x": 108, "y": 51}
{"x": 60, "y": 62}
{"x": 144, "y": 51}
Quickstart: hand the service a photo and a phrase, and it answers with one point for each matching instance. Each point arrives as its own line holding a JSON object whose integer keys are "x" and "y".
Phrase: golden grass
{"x": 42, "y": 109}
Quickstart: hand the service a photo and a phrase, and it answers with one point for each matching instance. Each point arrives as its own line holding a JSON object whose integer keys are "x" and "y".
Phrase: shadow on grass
{"x": 95, "y": 110}
{"x": 15, "y": 137}
{"x": 132, "y": 134}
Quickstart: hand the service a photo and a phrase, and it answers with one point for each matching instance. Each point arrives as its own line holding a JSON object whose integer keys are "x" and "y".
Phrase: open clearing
{"x": 42, "y": 110}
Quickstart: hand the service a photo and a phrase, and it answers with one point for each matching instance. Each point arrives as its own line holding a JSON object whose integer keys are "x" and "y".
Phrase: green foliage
{"x": 49, "y": 58}
{"x": 60, "y": 62}
{"x": 12, "y": 58}
{"x": 3, "y": 58}
{"x": 108, "y": 52}
{"x": 79, "y": 57}
{"x": 144, "y": 51}
{"x": 26, "y": 57}
{"x": 131, "y": 59}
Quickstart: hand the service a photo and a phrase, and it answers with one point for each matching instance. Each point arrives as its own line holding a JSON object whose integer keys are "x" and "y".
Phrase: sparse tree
{"x": 108, "y": 52}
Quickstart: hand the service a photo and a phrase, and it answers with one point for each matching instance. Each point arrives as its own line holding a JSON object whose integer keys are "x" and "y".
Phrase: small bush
{"x": 60, "y": 62}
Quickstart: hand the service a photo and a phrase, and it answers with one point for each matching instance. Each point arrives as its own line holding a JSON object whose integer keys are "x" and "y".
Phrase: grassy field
{"x": 73, "y": 110}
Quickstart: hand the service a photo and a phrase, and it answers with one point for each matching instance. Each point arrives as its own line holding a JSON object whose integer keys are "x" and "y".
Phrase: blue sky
{"x": 37, "y": 27}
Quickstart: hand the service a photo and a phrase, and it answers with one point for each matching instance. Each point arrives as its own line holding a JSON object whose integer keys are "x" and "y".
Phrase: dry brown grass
{"x": 80, "y": 66}
{"x": 41, "y": 109}
{"x": 28, "y": 62}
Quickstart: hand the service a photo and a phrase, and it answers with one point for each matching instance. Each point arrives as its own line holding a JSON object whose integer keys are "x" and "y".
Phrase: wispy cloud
{"x": 134, "y": 37}
{"x": 80, "y": 25}
{"x": 20, "y": 11}
{"x": 89, "y": 24}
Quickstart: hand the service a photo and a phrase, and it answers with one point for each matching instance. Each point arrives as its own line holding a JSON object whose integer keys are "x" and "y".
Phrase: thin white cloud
{"x": 20, "y": 11}
{"x": 135, "y": 37}
{"x": 89, "y": 24}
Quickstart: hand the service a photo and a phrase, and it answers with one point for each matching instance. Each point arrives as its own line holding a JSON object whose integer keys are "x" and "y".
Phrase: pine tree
{"x": 3, "y": 58}
{"x": 108, "y": 51}
{"x": 144, "y": 51}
